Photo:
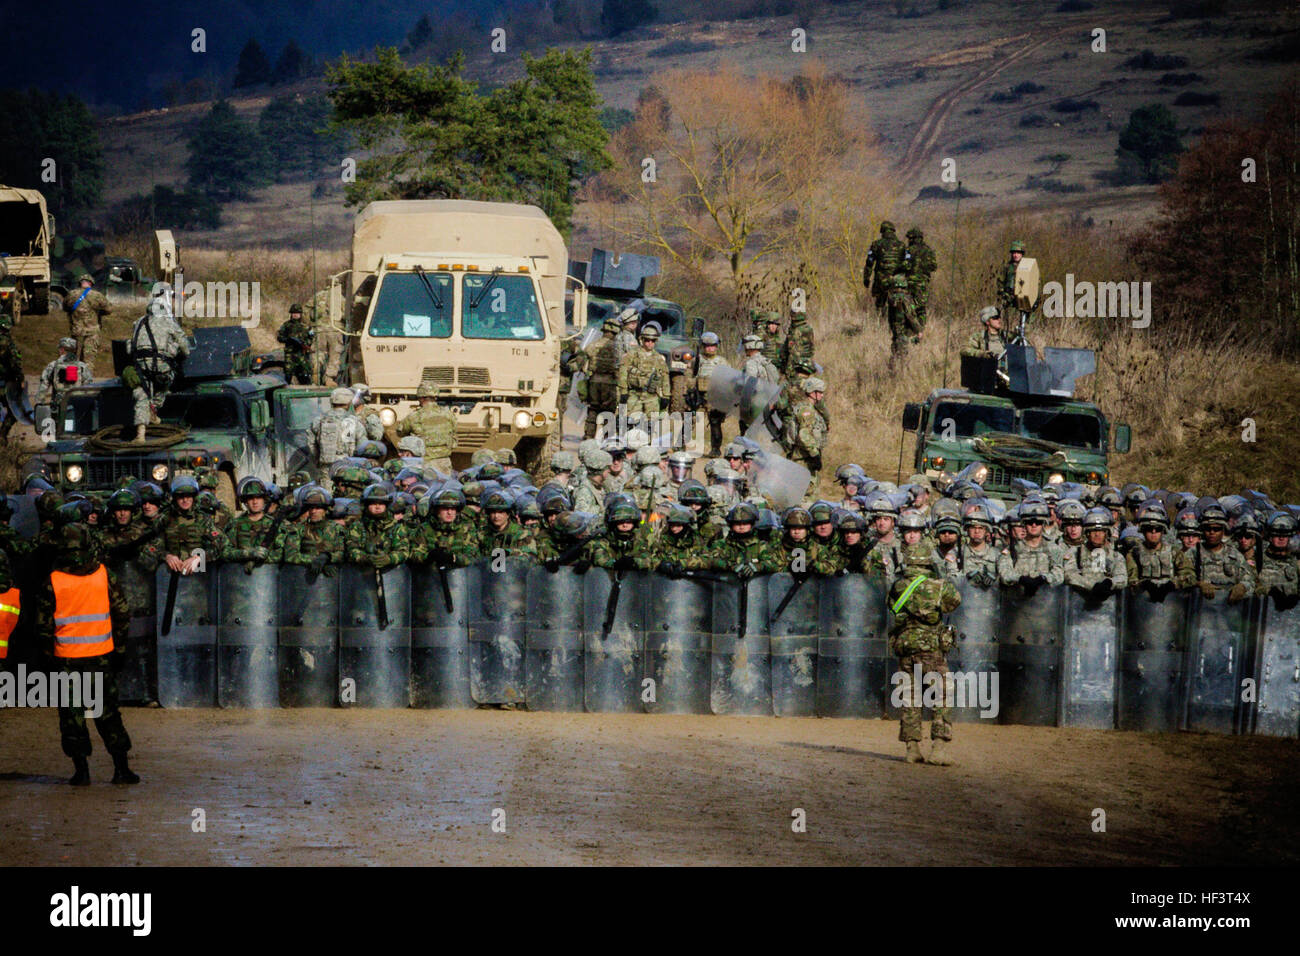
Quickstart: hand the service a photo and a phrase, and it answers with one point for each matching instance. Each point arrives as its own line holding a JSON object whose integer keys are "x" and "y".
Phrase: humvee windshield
{"x": 498, "y": 306}
{"x": 90, "y": 411}
{"x": 406, "y": 309}
{"x": 200, "y": 411}
{"x": 971, "y": 420}
{"x": 670, "y": 321}
{"x": 1074, "y": 429}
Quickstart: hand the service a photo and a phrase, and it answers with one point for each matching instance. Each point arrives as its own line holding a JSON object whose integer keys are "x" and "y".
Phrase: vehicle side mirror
{"x": 911, "y": 416}
{"x": 1123, "y": 439}
{"x": 259, "y": 415}
{"x": 697, "y": 327}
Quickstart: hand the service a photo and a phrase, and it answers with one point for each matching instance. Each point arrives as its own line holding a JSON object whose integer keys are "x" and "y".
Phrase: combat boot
{"x": 139, "y": 438}
{"x": 939, "y": 755}
{"x": 121, "y": 772}
{"x": 81, "y": 776}
{"x": 914, "y": 752}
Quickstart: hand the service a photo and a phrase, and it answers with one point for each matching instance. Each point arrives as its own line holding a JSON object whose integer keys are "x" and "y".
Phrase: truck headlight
{"x": 159, "y": 472}
{"x": 522, "y": 420}
{"x": 1055, "y": 478}
{"x": 387, "y": 417}
{"x": 74, "y": 474}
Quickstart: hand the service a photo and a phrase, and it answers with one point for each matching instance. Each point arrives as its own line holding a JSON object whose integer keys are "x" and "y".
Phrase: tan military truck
{"x": 469, "y": 296}
{"x": 26, "y": 231}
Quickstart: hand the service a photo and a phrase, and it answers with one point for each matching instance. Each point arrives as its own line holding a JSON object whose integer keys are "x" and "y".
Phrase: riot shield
{"x": 1277, "y": 669}
{"x": 614, "y": 640}
{"x": 852, "y": 649}
{"x": 973, "y": 660}
{"x": 308, "y": 636}
{"x": 793, "y": 643}
{"x": 440, "y": 638}
{"x": 677, "y": 646}
{"x": 498, "y": 611}
{"x": 553, "y": 643}
{"x": 733, "y": 392}
{"x": 1152, "y": 649}
{"x": 781, "y": 481}
{"x": 575, "y": 416}
{"x": 137, "y": 681}
{"x": 247, "y": 657}
{"x": 741, "y": 672}
{"x": 374, "y": 656}
{"x": 1090, "y": 661}
{"x": 1029, "y": 655}
{"x": 1216, "y": 654}
{"x": 18, "y": 404}
{"x": 187, "y": 653}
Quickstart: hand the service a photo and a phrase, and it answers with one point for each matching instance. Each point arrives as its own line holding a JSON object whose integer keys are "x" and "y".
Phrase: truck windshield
{"x": 404, "y": 308}
{"x": 200, "y": 411}
{"x": 500, "y": 307}
{"x": 1074, "y": 429}
{"x": 970, "y": 420}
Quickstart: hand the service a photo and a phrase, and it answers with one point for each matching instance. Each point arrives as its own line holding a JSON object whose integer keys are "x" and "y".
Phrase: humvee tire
{"x": 40, "y": 302}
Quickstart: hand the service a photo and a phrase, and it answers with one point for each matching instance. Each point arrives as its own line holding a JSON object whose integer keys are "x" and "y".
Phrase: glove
{"x": 1207, "y": 589}
{"x": 745, "y": 571}
{"x": 624, "y": 564}
{"x": 318, "y": 563}
{"x": 1103, "y": 588}
{"x": 260, "y": 554}
{"x": 581, "y": 567}
{"x": 381, "y": 561}
{"x": 670, "y": 568}
{"x": 1238, "y": 593}
{"x": 551, "y": 566}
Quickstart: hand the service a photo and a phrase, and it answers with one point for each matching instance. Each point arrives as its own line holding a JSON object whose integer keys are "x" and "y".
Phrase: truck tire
{"x": 40, "y": 301}
{"x": 534, "y": 454}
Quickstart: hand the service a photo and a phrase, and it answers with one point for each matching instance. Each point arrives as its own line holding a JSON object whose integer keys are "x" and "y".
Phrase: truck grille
{"x": 436, "y": 375}
{"x": 106, "y": 472}
{"x": 474, "y": 376}
{"x": 1002, "y": 477}
{"x": 471, "y": 437}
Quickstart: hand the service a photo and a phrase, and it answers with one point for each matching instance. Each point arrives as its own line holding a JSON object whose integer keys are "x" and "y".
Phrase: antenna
{"x": 952, "y": 272}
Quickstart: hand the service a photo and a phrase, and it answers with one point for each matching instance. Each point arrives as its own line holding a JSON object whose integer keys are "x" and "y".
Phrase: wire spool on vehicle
{"x": 117, "y": 438}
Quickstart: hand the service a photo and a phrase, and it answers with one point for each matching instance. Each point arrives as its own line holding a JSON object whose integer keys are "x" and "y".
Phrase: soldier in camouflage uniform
{"x": 1006, "y": 284}
{"x": 298, "y": 339}
{"x": 979, "y": 556}
{"x": 1213, "y": 564}
{"x": 643, "y": 379}
{"x": 919, "y": 599}
{"x": 560, "y": 543}
{"x": 1096, "y": 568}
{"x": 601, "y": 385}
{"x": 1279, "y": 573}
{"x": 185, "y": 530}
{"x": 65, "y": 370}
{"x": 851, "y": 556}
{"x": 623, "y": 540}
{"x": 253, "y": 537}
{"x": 797, "y": 551}
{"x": 11, "y": 373}
{"x": 673, "y": 546}
{"x": 767, "y": 326}
{"x": 919, "y": 264}
{"x": 948, "y": 554}
{"x": 885, "y": 259}
{"x": 446, "y": 538}
{"x": 695, "y": 496}
{"x": 991, "y": 340}
{"x": 798, "y": 345}
{"x": 1070, "y": 514}
{"x": 327, "y": 350}
{"x": 315, "y": 542}
{"x": 433, "y": 423}
{"x": 377, "y": 540}
{"x": 885, "y": 559}
{"x": 1035, "y": 561}
{"x": 157, "y": 346}
{"x": 1187, "y": 529}
{"x": 756, "y": 366}
{"x": 84, "y": 615}
{"x": 708, "y": 359}
{"x": 743, "y": 551}
{"x": 85, "y": 308}
{"x": 806, "y": 429}
{"x": 1155, "y": 564}
{"x": 824, "y": 532}
{"x": 124, "y": 540}
{"x": 209, "y": 481}
{"x": 337, "y": 433}
{"x": 590, "y": 494}
{"x": 501, "y": 534}
{"x": 904, "y": 327}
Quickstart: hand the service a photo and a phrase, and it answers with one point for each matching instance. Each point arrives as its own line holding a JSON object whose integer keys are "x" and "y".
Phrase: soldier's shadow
{"x": 852, "y": 751}
{"x": 16, "y": 777}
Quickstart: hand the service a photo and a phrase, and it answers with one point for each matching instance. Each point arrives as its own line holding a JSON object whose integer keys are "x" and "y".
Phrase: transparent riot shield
{"x": 553, "y": 640}
{"x": 1217, "y": 651}
{"x": 1153, "y": 641}
{"x": 137, "y": 681}
{"x": 498, "y": 609}
{"x": 1277, "y": 669}
{"x": 308, "y": 637}
{"x": 247, "y": 656}
{"x": 440, "y": 638}
{"x": 735, "y": 393}
{"x": 852, "y": 649}
{"x": 1090, "y": 661}
{"x": 677, "y": 646}
{"x": 187, "y": 652}
{"x": 375, "y": 636}
{"x": 793, "y": 643}
{"x": 1029, "y": 655}
{"x": 614, "y": 616}
{"x": 741, "y": 678}
{"x": 973, "y": 660}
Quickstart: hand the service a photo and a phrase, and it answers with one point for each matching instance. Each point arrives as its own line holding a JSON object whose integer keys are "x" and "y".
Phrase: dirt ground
{"x": 419, "y": 787}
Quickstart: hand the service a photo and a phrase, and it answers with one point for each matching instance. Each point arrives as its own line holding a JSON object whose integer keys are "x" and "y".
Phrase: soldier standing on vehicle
{"x": 904, "y": 327}
{"x": 85, "y": 307}
{"x": 66, "y": 370}
{"x": 798, "y": 345}
{"x": 1006, "y": 284}
{"x": 435, "y": 424}
{"x": 806, "y": 429}
{"x": 156, "y": 348}
{"x": 643, "y": 379}
{"x": 337, "y": 433}
{"x": 921, "y": 641}
{"x": 919, "y": 265}
{"x": 298, "y": 339}
{"x": 884, "y": 260}
{"x": 708, "y": 359}
{"x": 315, "y": 542}
{"x": 85, "y": 615}
{"x": 991, "y": 341}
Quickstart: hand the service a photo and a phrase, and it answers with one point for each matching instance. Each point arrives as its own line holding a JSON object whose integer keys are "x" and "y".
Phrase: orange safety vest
{"x": 82, "y": 624}
{"x": 9, "y": 605}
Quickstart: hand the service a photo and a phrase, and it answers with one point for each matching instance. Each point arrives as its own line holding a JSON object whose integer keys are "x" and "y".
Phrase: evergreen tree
{"x": 253, "y": 67}
{"x": 1149, "y": 144}
{"x": 292, "y": 64}
{"x": 227, "y": 160}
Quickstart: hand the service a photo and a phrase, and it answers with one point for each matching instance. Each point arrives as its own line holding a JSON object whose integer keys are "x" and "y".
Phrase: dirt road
{"x": 412, "y": 787}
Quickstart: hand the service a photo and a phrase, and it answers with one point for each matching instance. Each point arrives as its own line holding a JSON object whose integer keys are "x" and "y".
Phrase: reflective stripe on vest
{"x": 82, "y": 625}
{"x": 9, "y": 605}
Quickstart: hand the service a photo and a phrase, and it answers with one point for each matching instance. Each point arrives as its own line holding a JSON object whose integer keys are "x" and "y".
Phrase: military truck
{"x": 1018, "y": 418}
{"x": 26, "y": 231}
{"x": 221, "y": 414}
{"x": 120, "y": 278}
{"x": 470, "y": 297}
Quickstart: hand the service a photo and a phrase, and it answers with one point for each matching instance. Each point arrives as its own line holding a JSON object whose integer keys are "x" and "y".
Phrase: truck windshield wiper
{"x": 486, "y": 286}
{"x": 433, "y": 296}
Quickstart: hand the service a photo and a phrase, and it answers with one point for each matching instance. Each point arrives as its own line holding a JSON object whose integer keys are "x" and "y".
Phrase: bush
{"x": 1286, "y": 50}
{"x": 1197, "y": 99}
{"x": 1149, "y": 60}
{"x": 1149, "y": 145}
{"x": 682, "y": 47}
{"x": 1027, "y": 88}
{"x": 1180, "y": 79}
{"x": 969, "y": 146}
{"x": 614, "y": 118}
{"x": 1073, "y": 6}
{"x": 620, "y": 16}
{"x": 1033, "y": 121}
{"x": 1071, "y": 105}
{"x": 1050, "y": 184}
{"x": 165, "y": 208}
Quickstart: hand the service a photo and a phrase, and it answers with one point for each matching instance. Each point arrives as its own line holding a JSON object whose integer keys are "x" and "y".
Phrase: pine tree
{"x": 227, "y": 159}
{"x": 253, "y": 67}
